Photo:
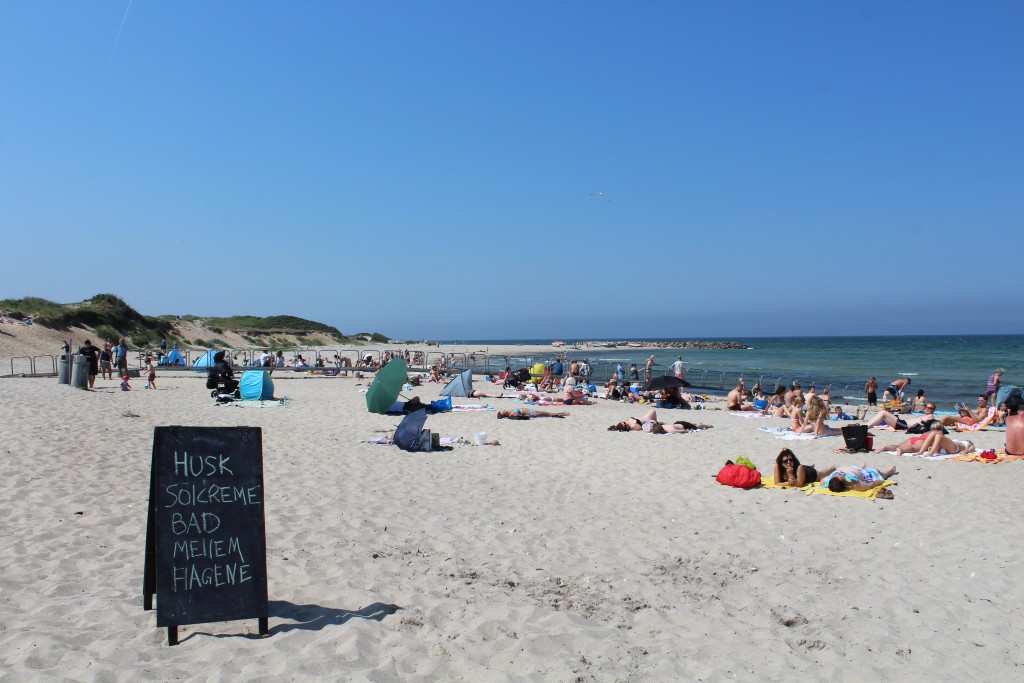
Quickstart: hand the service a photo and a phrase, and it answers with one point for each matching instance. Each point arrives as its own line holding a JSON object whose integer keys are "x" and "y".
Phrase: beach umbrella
{"x": 407, "y": 436}
{"x": 386, "y": 387}
{"x": 461, "y": 385}
{"x": 663, "y": 382}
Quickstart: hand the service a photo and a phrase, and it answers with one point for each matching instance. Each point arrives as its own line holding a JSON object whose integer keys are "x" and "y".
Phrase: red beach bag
{"x": 740, "y": 476}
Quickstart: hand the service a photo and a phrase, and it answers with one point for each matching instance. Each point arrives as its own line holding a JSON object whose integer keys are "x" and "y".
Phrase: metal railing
{"x": 480, "y": 363}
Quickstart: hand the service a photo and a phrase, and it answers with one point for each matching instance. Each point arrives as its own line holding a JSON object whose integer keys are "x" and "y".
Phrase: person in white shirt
{"x": 677, "y": 367}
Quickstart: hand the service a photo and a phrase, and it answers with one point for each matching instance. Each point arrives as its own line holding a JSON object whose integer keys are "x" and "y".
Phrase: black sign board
{"x": 206, "y": 546}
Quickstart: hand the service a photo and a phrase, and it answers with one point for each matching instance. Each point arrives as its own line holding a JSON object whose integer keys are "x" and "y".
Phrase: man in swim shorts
{"x": 897, "y": 386}
{"x": 871, "y": 390}
{"x": 734, "y": 400}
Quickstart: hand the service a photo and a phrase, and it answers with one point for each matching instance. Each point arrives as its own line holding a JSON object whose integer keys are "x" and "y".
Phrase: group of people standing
{"x": 113, "y": 354}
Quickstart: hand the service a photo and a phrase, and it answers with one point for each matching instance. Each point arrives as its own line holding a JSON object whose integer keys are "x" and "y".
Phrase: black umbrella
{"x": 664, "y": 382}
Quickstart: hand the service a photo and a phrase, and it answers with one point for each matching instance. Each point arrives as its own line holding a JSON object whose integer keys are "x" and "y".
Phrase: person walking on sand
{"x": 150, "y": 374}
{"x": 871, "y": 391}
{"x": 106, "y": 361}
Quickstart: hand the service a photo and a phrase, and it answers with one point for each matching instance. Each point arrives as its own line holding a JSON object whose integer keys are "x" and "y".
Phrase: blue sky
{"x": 431, "y": 169}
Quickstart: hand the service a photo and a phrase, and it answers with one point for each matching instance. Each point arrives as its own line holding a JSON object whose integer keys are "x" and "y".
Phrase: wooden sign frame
{"x": 206, "y": 548}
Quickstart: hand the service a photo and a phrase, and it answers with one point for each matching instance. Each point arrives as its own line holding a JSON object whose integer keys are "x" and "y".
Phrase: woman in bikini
{"x": 527, "y": 413}
{"x": 777, "y": 403}
{"x": 814, "y": 423}
{"x": 932, "y": 442}
{"x": 649, "y": 423}
{"x": 789, "y": 471}
{"x": 920, "y": 401}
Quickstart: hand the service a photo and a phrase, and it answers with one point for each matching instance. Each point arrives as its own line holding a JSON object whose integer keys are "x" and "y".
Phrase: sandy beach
{"x": 567, "y": 553}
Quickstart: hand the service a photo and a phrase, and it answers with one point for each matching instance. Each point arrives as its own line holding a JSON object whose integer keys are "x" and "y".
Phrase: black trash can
{"x": 63, "y": 370}
{"x": 80, "y": 372}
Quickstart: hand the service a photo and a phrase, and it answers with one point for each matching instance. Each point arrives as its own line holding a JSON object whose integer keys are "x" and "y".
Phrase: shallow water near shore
{"x": 948, "y": 368}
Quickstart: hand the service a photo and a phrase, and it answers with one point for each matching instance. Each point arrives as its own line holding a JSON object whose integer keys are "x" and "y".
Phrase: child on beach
{"x": 124, "y": 383}
{"x": 151, "y": 375}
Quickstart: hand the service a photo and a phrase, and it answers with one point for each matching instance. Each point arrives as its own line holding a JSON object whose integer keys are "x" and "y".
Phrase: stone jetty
{"x": 690, "y": 344}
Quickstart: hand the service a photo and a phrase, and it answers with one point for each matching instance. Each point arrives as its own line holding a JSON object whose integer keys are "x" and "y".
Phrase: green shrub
{"x": 106, "y": 333}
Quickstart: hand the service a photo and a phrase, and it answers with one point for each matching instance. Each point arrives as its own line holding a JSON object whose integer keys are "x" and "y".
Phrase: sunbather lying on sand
{"x": 649, "y": 423}
{"x": 934, "y": 442}
{"x": 789, "y": 471}
{"x": 863, "y": 478}
{"x": 527, "y": 413}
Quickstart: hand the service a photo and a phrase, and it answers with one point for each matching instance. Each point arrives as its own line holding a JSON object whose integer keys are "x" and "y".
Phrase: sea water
{"x": 948, "y": 368}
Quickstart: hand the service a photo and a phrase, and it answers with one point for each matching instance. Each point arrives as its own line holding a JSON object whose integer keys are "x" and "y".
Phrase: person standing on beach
{"x": 648, "y": 367}
{"x": 992, "y": 388}
{"x": 122, "y": 356}
{"x": 634, "y": 373}
{"x": 871, "y": 391}
{"x": 106, "y": 365}
{"x": 93, "y": 354}
{"x": 677, "y": 368}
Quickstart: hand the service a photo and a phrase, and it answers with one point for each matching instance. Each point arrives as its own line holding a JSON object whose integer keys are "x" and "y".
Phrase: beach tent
{"x": 461, "y": 385}
{"x": 173, "y": 358}
{"x": 1006, "y": 392}
{"x": 205, "y": 360}
{"x": 256, "y": 385}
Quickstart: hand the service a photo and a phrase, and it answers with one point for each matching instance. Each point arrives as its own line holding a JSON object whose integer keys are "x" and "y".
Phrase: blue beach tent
{"x": 205, "y": 360}
{"x": 256, "y": 385}
{"x": 173, "y": 358}
{"x": 461, "y": 385}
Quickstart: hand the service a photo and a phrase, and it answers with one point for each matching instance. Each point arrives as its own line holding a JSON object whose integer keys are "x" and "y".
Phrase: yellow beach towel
{"x": 815, "y": 489}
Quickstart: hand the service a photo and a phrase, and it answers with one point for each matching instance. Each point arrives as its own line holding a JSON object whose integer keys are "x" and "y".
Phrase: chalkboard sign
{"x": 206, "y": 547}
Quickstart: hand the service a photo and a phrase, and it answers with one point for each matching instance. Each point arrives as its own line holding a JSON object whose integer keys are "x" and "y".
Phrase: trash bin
{"x": 80, "y": 373}
{"x": 63, "y": 373}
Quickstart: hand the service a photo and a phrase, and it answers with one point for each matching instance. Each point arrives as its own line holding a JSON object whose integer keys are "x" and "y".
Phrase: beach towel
{"x": 748, "y": 414}
{"x": 386, "y": 441}
{"x": 817, "y": 489}
{"x": 473, "y": 407}
{"x": 1000, "y": 456}
{"x": 787, "y": 434}
{"x": 271, "y": 403}
{"x": 980, "y": 425}
{"x": 769, "y": 483}
{"x": 870, "y": 493}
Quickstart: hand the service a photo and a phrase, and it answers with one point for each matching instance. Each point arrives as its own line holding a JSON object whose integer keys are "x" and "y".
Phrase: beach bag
{"x": 856, "y": 437}
{"x": 761, "y": 404}
{"x": 738, "y": 476}
{"x": 442, "y": 405}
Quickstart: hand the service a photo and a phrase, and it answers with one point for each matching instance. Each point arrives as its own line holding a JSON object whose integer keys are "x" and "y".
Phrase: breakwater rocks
{"x": 691, "y": 344}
